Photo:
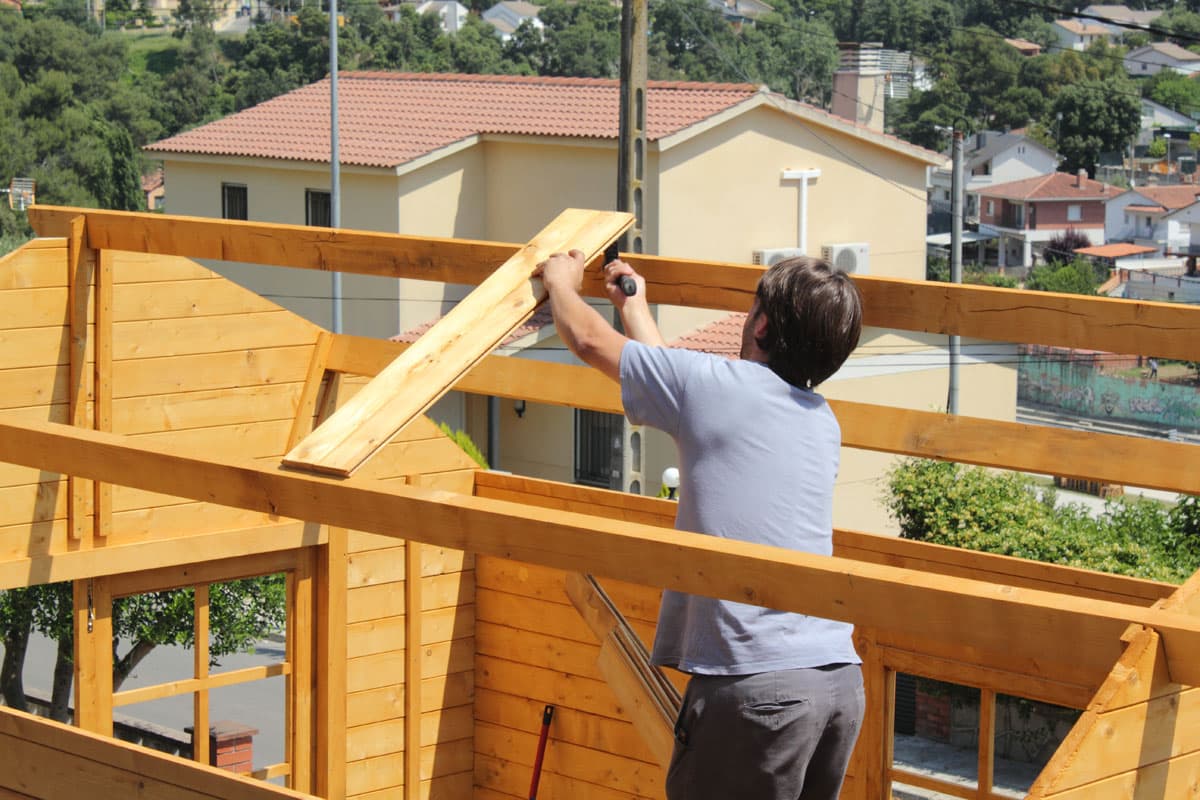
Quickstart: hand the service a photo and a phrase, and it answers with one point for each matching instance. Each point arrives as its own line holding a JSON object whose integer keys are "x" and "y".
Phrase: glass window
{"x": 598, "y": 449}
{"x": 233, "y": 201}
{"x": 318, "y": 209}
{"x": 1074, "y": 213}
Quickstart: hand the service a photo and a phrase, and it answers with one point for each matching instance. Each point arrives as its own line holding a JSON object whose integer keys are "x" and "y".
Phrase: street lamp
{"x": 1167, "y": 136}
{"x": 670, "y": 479}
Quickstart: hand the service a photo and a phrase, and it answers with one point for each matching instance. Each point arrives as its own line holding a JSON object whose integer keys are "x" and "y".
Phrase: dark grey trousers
{"x": 783, "y": 735}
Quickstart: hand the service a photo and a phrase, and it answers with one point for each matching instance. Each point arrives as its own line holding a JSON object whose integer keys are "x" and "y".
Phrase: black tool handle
{"x": 626, "y": 282}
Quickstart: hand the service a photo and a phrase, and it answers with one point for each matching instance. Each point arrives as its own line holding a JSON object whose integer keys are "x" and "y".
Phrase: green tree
{"x": 1096, "y": 118}
{"x": 1074, "y": 277}
{"x": 1177, "y": 92}
{"x": 582, "y": 39}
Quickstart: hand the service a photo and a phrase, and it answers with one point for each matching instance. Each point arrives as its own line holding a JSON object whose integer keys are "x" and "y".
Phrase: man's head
{"x": 805, "y": 321}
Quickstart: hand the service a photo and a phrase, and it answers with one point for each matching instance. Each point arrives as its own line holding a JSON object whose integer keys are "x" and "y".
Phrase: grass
{"x": 151, "y": 50}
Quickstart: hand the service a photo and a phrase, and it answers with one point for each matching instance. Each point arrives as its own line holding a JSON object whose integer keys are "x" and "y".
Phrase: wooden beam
{"x": 331, "y": 615}
{"x": 456, "y": 342}
{"x": 412, "y": 670}
{"x": 93, "y": 655}
{"x": 81, "y": 263}
{"x": 102, "y": 382}
{"x": 1007, "y": 315}
{"x": 44, "y": 759}
{"x": 1128, "y": 460}
{"x": 1055, "y": 631}
{"x": 200, "y": 705}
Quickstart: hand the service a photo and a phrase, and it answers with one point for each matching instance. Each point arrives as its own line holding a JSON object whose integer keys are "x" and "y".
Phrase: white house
{"x": 1157, "y": 117}
{"x": 452, "y": 14}
{"x": 1153, "y": 58}
{"x": 1120, "y": 19}
{"x": 992, "y": 157}
{"x": 1148, "y": 216}
{"x": 1079, "y": 34}
{"x": 507, "y": 15}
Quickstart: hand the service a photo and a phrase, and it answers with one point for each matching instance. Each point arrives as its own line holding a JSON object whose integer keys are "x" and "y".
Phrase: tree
{"x": 583, "y": 39}
{"x": 1061, "y": 247}
{"x": 1177, "y": 92}
{"x": 1096, "y": 118}
{"x": 1074, "y": 277}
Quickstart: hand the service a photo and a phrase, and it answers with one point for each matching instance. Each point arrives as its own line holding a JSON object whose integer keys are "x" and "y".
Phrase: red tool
{"x": 547, "y": 715}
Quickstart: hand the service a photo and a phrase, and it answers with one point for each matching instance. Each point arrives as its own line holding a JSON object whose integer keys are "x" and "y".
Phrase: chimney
{"x": 980, "y": 140}
{"x": 858, "y": 84}
{"x": 1080, "y": 177}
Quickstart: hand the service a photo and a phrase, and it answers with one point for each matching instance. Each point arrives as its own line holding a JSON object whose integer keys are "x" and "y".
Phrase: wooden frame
{"x": 917, "y": 607}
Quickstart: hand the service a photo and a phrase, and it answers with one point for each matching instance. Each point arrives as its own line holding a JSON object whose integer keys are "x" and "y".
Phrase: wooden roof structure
{"x": 434, "y": 608}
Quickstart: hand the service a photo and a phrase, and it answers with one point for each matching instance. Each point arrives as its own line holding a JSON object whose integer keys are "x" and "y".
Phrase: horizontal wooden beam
{"x": 921, "y": 556}
{"x": 44, "y": 759}
{"x": 1049, "y": 631}
{"x": 984, "y": 312}
{"x": 1127, "y": 460}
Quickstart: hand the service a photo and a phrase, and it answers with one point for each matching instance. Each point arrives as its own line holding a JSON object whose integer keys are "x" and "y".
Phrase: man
{"x": 775, "y": 700}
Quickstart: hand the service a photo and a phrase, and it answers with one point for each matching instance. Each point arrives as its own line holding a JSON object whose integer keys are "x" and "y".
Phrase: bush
{"x": 1004, "y": 513}
{"x": 466, "y": 443}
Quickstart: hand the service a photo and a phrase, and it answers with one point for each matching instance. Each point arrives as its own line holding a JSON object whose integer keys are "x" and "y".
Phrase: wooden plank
{"x": 426, "y": 371}
{"x": 654, "y": 726}
{"x": 306, "y": 407}
{"x": 47, "y": 759}
{"x": 200, "y": 684}
{"x": 209, "y": 371}
{"x": 986, "y": 743}
{"x": 385, "y": 669}
{"x": 116, "y": 558}
{"x": 437, "y": 727}
{"x": 102, "y": 381}
{"x": 93, "y": 653}
{"x": 301, "y": 627}
{"x": 1058, "y": 631}
{"x": 872, "y": 756}
{"x": 37, "y": 264}
{"x": 1175, "y": 778}
{"x": 44, "y": 388}
{"x": 29, "y": 348}
{"x": 332, "y": 703}
{"x": 921, "y": 556}
{"x": 163, "y": 338}
{"x": 81, "y": 265}
{"x": 412, "y": 670}
{"x": 387, "y": 702}
{"x": 390, "y": 633}
{"x": 921, "y": 781}
{"x": 185, "y": 298}
{"x": 32, "y": 308}
{"x": 187, "y": 410}
{"x": 135, "y": 268}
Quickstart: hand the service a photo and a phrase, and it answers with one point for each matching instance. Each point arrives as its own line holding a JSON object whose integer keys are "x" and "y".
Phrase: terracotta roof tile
{"x": 1171, "y": 197}
{"x": 1054, "y": 186}
{"x": 723, "y": 337}
{"x": 1145, "y": 208}
{"x": 387, "y": 119}
{"x": 1117, "y": 250}
{"x": 540, "y": 319}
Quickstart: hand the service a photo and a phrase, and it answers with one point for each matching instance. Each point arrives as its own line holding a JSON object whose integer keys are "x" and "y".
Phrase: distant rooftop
{"x": 1055, "y": 186}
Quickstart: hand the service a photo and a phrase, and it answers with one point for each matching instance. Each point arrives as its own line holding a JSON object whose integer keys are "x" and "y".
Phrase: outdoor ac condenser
{"x": 851, "y": 258}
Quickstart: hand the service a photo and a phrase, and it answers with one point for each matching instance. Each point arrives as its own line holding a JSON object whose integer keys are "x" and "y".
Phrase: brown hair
{"x": 814, "y": 319}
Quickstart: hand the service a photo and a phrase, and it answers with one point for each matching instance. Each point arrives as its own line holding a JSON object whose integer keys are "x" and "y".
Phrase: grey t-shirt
{"x": 758, "y": 459}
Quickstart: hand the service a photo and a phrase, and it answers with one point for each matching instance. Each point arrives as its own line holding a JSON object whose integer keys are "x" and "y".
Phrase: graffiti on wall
{"x": 1081, "y": 389}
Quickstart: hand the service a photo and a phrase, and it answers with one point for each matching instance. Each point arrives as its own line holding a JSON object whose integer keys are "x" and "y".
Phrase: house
{"x": 1032, "y": 211}
{"x": 1152, "y": 58}
{"x": 507, "y": 15}
{"x": 154, "y": 190}
{"x": 741, "y": 12}
{"x": 441, "y": 619}
{"x": 1024, "y": 46}
{"x": 1146, "y": 216}
{"x": 453, "y": 15}
{"x": 1079, "y": 34}
{"x": 1157, "y": 118}
{"x": 991, "y": 157}
{"x": 1120, "y": 19}
{"x": 732, "y": 172}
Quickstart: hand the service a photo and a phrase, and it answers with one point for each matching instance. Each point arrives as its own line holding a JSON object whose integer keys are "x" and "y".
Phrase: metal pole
{"x": 335, "y": 173}
{"x": 631, "y": 136}
{"x": 956, "y": 231}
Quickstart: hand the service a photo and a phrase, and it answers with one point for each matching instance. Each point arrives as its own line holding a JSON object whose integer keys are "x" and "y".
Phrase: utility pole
{"x": 631, "y": 136}
{"x": 956, "y": 231}
{"x": 335, "y": 167}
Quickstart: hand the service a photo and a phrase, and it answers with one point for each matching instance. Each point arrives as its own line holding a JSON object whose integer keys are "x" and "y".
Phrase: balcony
{"x": 435, "y": 609}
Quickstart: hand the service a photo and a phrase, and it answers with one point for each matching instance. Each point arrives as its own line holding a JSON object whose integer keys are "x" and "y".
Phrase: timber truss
{"x": 169, "y": 429}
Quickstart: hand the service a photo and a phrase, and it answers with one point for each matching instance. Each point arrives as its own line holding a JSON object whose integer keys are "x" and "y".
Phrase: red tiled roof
{"x": 1117, "y": 250}
{"x": 1055, "y": 186}
{"x": 1172, "y": 197}
{"x": 722, "y": 337}
{"x": 1081, "y": 28}
{"x": 387, "y": 119}
{"x": 540, "y": 319}
{"x": 1145, "y": 208}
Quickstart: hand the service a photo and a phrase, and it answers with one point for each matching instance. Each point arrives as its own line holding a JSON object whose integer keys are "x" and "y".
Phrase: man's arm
{"x": 586, "y": 334}
{"x": 635, "y": 311}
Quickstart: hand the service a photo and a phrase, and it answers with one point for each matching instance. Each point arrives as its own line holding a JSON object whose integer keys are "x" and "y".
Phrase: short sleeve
{"x": 652, "y": 384}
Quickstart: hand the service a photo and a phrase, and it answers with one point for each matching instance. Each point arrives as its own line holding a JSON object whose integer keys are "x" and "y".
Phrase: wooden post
{"x": 93, "y": 655}
{"x": 300, "y": 654}
{"x": 412, "y": 666}
{"x": 872, "y": 757}
{"x": 200, "y": 739}
{"x": 459, "y": 340}
{"x": 330, "y": 765}
{"x": 987, "y": 742}
{"x": 81, "y": 262}
{"x": 102, "y": 380}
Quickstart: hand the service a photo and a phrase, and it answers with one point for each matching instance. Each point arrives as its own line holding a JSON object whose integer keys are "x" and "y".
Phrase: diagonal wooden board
{"x": 427, "y": 370}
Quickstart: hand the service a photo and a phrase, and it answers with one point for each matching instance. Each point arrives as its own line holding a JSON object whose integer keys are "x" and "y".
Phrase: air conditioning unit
{"x": 771, "y": 257}
{"x": 850, "y": 258}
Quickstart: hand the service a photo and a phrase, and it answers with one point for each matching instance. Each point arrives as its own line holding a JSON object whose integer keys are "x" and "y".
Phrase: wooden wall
{"x": 379, "y": 717}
